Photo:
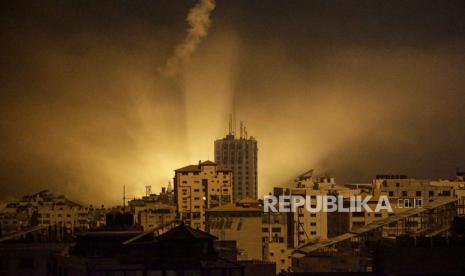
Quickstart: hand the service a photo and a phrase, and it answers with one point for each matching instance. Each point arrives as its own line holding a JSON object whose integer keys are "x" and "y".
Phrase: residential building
{"x": 154, "y": 211}
{"x": 278, "y": 253}
{"x": 200, "y": 187}
{"x": 126, "y": 251}
{"x": 304, "y": 226}
{"x": 240, "y": 221}
{"x": 46, "y": 210}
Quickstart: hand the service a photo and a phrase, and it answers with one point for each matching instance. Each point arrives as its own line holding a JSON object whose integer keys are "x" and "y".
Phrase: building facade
{"x": 302, "y": 225}
{"x": 240, "y": 221}
{"x": 200, "y": 187}
{"x": 240, "y": 156}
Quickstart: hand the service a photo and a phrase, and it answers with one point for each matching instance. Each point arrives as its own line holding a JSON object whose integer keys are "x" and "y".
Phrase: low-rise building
{"x": 240, "y": 221}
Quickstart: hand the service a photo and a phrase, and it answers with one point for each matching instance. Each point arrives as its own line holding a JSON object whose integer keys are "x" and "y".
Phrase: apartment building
{"x": 154, "y": 210}
{"x": 275, "y": 241}
{"x": 68, "y": 216}
{"x": 240, "y": 221}
{"x": 278, "y": 253}
{"x": 200, "y": 187}
{"x": 44, "y": 209}
{"x": 304, "y": 226}
{"x": 158, "y": 216}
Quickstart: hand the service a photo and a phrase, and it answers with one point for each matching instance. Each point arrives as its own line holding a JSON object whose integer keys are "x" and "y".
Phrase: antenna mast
{"x": 124, "y": 196}
{"x": 242, "y": 129}
{"x": 234, "y": 122}
{"x": 230, "y": 123}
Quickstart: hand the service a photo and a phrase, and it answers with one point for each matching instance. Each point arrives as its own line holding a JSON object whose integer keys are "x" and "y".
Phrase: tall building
{"x": 199, "y": 187}
{"x": 240, "y": 156}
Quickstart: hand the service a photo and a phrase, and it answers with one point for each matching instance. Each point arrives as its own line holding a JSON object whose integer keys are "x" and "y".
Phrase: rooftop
{"x": 198, "y": 167}
{"x": 235, "y": 207}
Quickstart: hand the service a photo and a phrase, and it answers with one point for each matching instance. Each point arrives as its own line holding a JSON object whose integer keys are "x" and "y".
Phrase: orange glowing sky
{"x": 352, "y": 89}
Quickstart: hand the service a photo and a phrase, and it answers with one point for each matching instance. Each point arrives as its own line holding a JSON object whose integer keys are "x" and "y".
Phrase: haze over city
{"x": 89, "y": 102}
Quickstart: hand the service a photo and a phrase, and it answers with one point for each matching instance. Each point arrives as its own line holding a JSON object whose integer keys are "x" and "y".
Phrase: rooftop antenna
{"x": 242, "y": 130}
{"x": 234, "y": 122}
{"x": 230, "y": 123}
{"x": 124, "y": 196}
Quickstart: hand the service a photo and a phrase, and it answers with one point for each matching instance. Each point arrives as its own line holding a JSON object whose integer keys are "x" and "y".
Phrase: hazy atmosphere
{"x": 100, "y": 94}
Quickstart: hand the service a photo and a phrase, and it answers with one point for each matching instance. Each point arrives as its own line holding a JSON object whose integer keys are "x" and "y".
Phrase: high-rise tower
{"x": 239, "y": 154}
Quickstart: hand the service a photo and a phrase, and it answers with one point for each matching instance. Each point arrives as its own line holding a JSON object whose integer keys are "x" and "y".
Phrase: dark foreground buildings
{"x": 122, "y": 249}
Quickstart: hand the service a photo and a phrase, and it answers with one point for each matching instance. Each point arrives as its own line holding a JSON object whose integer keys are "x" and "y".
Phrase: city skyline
{"x": 352, "y": 88}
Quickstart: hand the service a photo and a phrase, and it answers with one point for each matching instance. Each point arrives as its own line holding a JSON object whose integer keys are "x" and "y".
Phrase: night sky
{"x": 350, "y": 88}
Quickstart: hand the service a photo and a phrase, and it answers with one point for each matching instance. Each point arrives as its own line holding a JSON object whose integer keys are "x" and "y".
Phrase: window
{"x": 391, "y": 193}
{"x": 313, "y": 233}
{"x": 265, "y": 230}
{"x": 313, "y": 224}
{"x": 418, "y": 193}
{"x": 446, "y": 193}
{"x": 404, "y": 193}
{"x": 276, "y": 229}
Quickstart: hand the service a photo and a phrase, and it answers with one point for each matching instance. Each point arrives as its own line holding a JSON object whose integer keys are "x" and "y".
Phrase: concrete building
{"x": 124, "y": 251}
{"x": 240, "y": 221}
{"x": 275, "y": 240}
{"x": 278, "y": 253}
{"x": 200, "y": 187}
{"x": 46, "y": 210}
{"x": 274, "y": 227}
{"x": 304, "y": 226}
{"x": 409, "y": 191}
{"x": 240, "y": 156}
{"x": 158, "y": 217}
{"x": 152, "y": 210}
{"x": 405, "y": 193}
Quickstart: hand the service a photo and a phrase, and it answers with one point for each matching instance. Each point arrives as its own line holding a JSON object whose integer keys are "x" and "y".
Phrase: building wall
{"x": 199, "y": 189}
{"x": 243, "y": 227}
{"x": 279, "y": 254}
{"x": 240, "y": 156}
{"x": 152, "y": 218}
{"x": 304, "y": 225}
{"x": 274, "y": 227}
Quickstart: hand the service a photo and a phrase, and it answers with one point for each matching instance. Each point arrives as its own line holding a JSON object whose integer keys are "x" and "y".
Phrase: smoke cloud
{"x": 199, "y": 23}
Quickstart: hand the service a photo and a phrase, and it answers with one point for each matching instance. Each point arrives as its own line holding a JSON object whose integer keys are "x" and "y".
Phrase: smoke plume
{"x": 199, "y": 23}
